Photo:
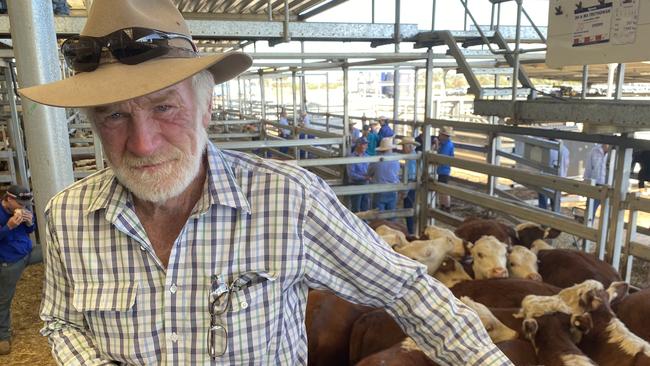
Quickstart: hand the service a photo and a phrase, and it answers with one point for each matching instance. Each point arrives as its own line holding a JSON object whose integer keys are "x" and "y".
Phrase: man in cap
{"x": 358, "y": 175}
{"x": 384, "y": 130}
{"x": 408, "y": 143}
{"x": 182, "y": 254}
{"x": 373, "y": 138}
{"x": 15, "y": 245}
{"x": 444, "y": 146}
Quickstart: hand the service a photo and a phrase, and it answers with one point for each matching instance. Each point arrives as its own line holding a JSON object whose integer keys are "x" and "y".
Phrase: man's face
{"x": 155, "y": 143}
{"x": 361, "y": 148}
{"x": 12, "y": 205}
{"x": 442, "y": 137}
{"x": 407, "y": 148}
{"x": 375, "y": 127}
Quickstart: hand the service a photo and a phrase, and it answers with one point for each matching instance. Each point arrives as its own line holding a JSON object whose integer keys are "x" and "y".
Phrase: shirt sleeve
{"x": 71, "y": 342}
{"x": 344, "y": 255}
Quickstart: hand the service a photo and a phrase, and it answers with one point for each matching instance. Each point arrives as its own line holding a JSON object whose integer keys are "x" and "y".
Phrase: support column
{"x": 15, "y": 132}
{"x": 296, "y": 150}
{"x": 46, "y": 130}
{"x": 346, "y": 112}
{"x": 415, "y": 101}
{"x": 423, "y": 196}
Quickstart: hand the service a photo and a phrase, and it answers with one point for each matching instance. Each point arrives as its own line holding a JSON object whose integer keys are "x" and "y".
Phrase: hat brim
{"x": 385, "y": 148}
{"x": 117, "y": 82}
{"x": 415, "y": 143}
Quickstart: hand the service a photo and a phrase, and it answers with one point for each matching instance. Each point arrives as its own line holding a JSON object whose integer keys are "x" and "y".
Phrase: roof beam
{"x": 320, "y": 9}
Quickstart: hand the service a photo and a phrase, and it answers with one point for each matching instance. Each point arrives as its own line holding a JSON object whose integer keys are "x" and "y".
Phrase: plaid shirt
{"x": 107, "y": 298}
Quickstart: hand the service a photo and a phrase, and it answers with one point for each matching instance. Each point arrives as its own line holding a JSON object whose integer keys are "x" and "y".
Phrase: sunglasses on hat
{"x": 129, "y": 46}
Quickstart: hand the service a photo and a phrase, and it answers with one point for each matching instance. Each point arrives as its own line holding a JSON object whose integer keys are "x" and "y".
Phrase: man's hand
{"x": 28, "y": 217}
{"x": 15, "y": 220}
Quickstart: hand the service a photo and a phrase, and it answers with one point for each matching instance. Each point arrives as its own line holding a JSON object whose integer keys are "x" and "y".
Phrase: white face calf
{"x": 451, "y": 272}
{"x": 428, "y": 252}
{"x": 572, "y": 295}
{"x": 522, "y": 263}
{"x": 489, "y": 258}
{"x": 394, "y": 238}
{"x": 434, "y": 232}
{"x": 498, "y": 331}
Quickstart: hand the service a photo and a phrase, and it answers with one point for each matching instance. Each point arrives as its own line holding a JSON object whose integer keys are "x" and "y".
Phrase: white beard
{"x": 169, "y": 180}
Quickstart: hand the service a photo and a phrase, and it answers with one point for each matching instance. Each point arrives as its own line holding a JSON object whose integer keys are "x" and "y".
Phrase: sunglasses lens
{"x": 135, "y": 45}
{"x": 82, "y": 54}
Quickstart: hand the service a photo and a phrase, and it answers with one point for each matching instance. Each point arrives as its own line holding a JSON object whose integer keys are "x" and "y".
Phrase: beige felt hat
{"x": 408, "y": 140}
{"x": 113, "y": 81}
{"x": 386, "y": 144}
{"x": 446, "y": 130}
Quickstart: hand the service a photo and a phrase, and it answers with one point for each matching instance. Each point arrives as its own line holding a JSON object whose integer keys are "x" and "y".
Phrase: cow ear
{"x": 552, "y": 233}
{"x": 529, "y": 327}
{"x": 590, "y": 300}
{"x": 582, "y": 322}
{"x": 617, "y": 291}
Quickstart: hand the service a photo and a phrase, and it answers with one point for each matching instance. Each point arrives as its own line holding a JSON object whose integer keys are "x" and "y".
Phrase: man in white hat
{"x": 385, "y": 172}
{"x": 182, "y": 254}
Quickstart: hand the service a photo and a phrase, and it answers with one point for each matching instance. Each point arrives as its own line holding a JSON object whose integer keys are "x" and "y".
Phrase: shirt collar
{"x": 221, "y": 184}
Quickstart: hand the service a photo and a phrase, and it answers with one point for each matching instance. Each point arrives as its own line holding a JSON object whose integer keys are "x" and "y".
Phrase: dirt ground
{"x": 28, "y": 346}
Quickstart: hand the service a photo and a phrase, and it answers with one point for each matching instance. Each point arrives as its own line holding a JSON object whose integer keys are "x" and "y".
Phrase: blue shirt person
{"x": 385, "y": 130}
{"x": 17, "y": 223}
{"x": 408, "y": 144}
{"x": 355, "y": 134}
{"x": 373, "y": 138}
{"x": 444, "y": 147}
{"x": 385, "y": 172}
{"x": 358, "y": 175}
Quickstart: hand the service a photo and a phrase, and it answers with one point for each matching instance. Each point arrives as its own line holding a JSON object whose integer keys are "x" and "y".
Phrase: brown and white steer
{"x": 502, "y": 293}
{"x": 496, "y": 329}
{"x": 405, "y": 353}
{"x": 523, "y": 234}
{"x": 554, "y": 343}
{"x": 460, "y": 250}
{"x": 634, "y": 312}
{"x": 540, "y": 244}
{"x": 328, "y": 321}
{"x": 489, "y": 258}
{"x": 428, "y": 252}
{"x": 450, "y": 272}
{"x": 394, "y": 238}
{"x": 519, "y": 351}
{"x": 522, "y": 263}
{"x": 609, "y": 342}
{"x": 566, "y": 267}
{"x": 373, "y": 332}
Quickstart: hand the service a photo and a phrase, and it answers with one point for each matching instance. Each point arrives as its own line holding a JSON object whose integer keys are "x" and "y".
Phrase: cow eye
{"x": 480, "y": 255}
{"x": 512, "y": 264}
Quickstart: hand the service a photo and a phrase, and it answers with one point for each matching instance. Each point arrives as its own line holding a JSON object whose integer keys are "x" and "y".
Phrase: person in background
{"x": 305, "y": 122}
{"x": 373, "y": 138}
{"x": 444, "y": 146}
{"x": 384, "y": 130}
{"x": 562, "y": 165}
{"x": 180, "y": 253}
{"x": 17, "y": 223}
{"x": 355, "y": 134}
{"x": 385, "y": 172}
{"x": 596, "y": 167}
{"x": 408, "y": 144}
{"x": 284, "y": 133}
{"x": 358, "y": 175}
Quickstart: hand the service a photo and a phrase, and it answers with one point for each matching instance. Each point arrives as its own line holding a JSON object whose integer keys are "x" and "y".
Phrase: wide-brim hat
{"x": 116, "y": 82}
{"x": 408, "y": 140}
{"x": 446, "y": 130}
{"x": 386, "y": 144}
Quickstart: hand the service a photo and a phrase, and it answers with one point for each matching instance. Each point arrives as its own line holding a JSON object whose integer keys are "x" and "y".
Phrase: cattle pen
{"x": 483, "y": 79}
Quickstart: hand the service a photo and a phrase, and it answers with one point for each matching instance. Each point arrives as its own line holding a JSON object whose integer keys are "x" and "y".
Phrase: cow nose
{"x": 499, "y": 272}
{"x": 534, "y": 277}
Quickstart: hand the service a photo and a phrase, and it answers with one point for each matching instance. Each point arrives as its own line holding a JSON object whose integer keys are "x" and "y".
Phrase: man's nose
{"x": 144, "y": 136}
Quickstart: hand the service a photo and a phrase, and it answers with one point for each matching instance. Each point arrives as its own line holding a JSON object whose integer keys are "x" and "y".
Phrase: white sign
{"x": 626, "y": 19}
{"x": 592, "y": 24}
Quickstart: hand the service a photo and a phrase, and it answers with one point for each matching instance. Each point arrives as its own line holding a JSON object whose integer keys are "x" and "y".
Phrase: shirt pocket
{"x": 253, "y": 317}
{"x": 109, "y": 309}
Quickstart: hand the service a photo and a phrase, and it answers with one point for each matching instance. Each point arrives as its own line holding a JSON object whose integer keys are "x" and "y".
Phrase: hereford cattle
{"x": 394, "y": 238}
{"x": 328, "y": 321}
{"x": 524, "y": 234}
{"x": 428, "y": 252}
{"x": 540, "y": 244}
{"x": 374, "y": 224}
{"x": 520, "y": 352}
{"x": 634, "y": 312}
{"x": 401, "y": 354}
{"x": 502, "y": 293}
{"x": 489, "y": 258}
{"x": 608, "y": 341}
{"x": 450, "y": 272}
{"x": 507, "y": 316}
{"x": 460, "y": 250}
{"x": 496, "y": 329}
{"x": 566, "y": 267}
{"x": 522, "y": 263}
{"x": 553, "y": 341}
{"x": 373, "y": 332}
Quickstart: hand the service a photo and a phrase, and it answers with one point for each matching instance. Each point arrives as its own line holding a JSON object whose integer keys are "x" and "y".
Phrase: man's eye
{"x": 114, "y": 116}
{"x": 163, "y": 108}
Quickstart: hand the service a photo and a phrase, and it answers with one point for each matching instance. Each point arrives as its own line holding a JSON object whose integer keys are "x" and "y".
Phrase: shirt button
{"x": 243, "y": 305}
{"x": 174, "y": 337}
{"x": 173, "y": 288}
{"x": 142, "y": 248}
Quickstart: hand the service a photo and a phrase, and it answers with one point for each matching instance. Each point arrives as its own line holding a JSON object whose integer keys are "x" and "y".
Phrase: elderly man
{"x": 385, "y": 172}
{"x": 182, "y": 254}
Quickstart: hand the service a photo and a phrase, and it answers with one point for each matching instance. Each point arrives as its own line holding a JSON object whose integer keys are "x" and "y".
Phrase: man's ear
{"x": 207, "y": 117}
